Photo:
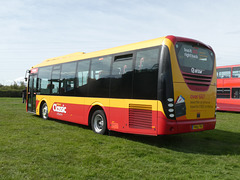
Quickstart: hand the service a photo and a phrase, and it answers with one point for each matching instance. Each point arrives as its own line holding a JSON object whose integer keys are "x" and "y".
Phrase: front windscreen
{"x": 194, "y": 58}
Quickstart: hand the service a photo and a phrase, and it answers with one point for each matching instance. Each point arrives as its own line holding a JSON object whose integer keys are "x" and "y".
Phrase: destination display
{"x": 194, "y": 58}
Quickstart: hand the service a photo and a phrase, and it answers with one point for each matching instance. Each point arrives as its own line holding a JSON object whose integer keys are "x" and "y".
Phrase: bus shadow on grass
{"x": 214, "y": 142}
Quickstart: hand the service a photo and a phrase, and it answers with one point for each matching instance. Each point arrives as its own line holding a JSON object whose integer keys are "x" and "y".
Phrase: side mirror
{"x": 26, "y": 73}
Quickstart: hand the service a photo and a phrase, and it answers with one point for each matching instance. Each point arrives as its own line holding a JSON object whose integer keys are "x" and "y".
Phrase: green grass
{"x": 32, "y": 148}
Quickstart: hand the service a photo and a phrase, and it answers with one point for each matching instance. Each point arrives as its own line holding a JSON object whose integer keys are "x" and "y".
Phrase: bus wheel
{"x": 99, "y": 122}
{"x": 44, "y": 111}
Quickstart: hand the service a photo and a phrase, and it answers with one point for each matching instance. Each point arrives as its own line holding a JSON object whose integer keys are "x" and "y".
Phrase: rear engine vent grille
{"x": 140, "y": 116}
{"x": 197, "y": 82}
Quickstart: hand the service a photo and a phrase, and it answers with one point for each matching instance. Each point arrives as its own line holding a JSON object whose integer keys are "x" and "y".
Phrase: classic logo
{"x": 60, "y": 109}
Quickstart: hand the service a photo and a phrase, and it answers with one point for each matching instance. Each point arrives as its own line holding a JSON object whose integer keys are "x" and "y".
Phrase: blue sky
{"x": 32, "y": 30}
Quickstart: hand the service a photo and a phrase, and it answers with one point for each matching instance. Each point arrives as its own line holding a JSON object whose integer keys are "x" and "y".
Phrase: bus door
{"x": 32, "y": 88}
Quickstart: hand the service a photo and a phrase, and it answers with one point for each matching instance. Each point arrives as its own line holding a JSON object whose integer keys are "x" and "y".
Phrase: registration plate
{"x": 197, "y": 126}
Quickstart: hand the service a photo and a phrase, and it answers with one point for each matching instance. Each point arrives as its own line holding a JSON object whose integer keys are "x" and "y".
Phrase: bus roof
{"x": 81, "y": 55}
{"x": 228, "y": 66}
{"x": 130, "y": 47}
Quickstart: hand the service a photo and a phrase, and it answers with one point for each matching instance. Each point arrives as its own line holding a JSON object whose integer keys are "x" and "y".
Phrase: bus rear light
{"x": 171, "y": 115}
{"x": 170, "y": 105}
{"x": 170, "y": 99}
{"x": 171, "y": 110}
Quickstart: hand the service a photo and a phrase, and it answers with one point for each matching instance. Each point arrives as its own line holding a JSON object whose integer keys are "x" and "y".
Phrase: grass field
{"x": 33, "y": 148}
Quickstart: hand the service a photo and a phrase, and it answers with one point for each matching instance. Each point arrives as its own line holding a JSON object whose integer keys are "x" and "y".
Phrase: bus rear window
{"x": 194, "y": 58}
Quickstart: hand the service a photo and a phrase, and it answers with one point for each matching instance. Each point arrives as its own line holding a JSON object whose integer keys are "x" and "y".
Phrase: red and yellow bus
{"x": 161, "y": 86}
{"x": 228, "y": 88}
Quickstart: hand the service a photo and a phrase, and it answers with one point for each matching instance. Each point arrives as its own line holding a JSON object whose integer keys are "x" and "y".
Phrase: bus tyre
{"x": 99, "y": 122}
{"x": 44, "y": 111}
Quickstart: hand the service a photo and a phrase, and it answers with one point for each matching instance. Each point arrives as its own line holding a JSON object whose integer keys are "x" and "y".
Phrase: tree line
{"x": 13, "y": 90}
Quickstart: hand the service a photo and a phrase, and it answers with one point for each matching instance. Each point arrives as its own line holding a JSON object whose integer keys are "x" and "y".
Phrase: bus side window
{"x": 82, "y": 78}
{"x": 236, "y": 72}
{"x": 68, "y": 78}
{"x": 223, "y": 73}
{"x": 236, "y": 93}
{"x": 44, "y": 80}
{"x": 122, "y": 64}
{"x": 121, "y": 78}
{"x": 223, "y": 93}
{"x": 146, "y": 74}
{"x": 54, "y": 86}
{"x": 99, "y": 77}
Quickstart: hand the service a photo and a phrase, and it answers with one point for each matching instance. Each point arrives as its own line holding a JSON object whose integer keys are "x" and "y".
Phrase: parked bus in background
{"x": 228, "y": 88}
{"x": 160, "y": 86}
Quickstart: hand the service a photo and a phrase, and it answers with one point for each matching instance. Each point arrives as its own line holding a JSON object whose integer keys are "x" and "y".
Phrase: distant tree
{"x": 14, "y": 86}
{"x": 13, "y": 90}
{"x": 22, "y": 85}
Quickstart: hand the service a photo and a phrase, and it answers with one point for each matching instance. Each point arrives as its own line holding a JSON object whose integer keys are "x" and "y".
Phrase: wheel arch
{"x": 92, "y": 109}
{"x": 41, "y": 104}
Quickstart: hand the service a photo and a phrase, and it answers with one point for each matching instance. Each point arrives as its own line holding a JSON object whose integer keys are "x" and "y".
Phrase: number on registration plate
{"x": 197, "y": 126}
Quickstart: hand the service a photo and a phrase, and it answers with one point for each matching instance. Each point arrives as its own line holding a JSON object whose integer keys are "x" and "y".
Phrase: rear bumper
{"x": 167, "y": 126}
